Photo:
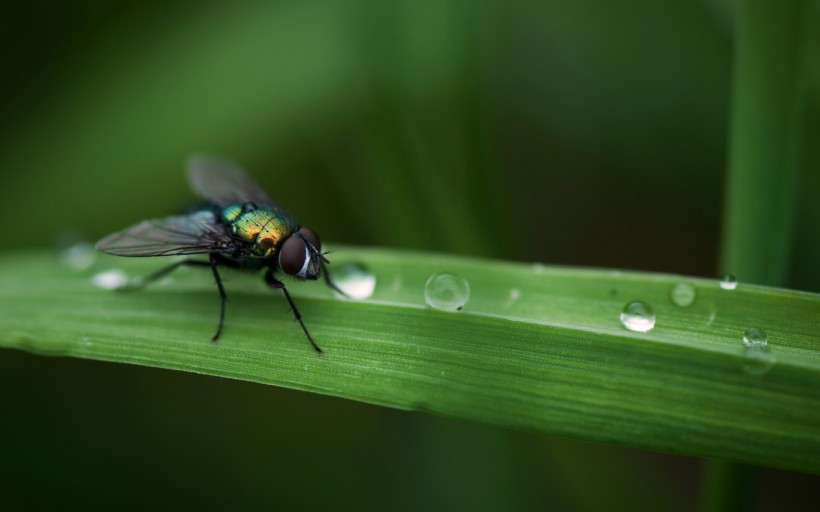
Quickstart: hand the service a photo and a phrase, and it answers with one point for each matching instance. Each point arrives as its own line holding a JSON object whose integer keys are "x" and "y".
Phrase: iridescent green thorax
{"x": 265, "y": 228}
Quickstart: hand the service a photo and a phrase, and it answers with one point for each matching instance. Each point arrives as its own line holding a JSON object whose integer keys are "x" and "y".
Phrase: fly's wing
{"x": 223, "y": 182}
{"x": 197, "y": 233}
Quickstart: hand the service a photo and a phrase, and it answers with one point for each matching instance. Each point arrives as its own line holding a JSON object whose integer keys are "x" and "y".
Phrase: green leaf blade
{"x": 551, "y": 357}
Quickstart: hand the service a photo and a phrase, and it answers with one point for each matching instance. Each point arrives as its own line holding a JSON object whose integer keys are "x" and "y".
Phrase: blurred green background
{"x": 573, "y": 133}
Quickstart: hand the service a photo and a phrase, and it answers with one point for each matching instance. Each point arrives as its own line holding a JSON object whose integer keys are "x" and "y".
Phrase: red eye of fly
{"x": 292, "y": 256}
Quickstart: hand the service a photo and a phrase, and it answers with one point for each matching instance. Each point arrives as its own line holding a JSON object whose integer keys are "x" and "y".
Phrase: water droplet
{"x": 445, "y": 291}
{"x": 757, "y": 360}
{"x": 79, "y": 256}
{"x": 110, "y": 279}
{"x": 684, "y": 294}
{"x": 86, "y": 341}
{"x": 515, "y": 294}
{"x": 755, "y": 337}
{"x": 356, "y": 280}
{"x": 638, "y": 316}
{"x": 728, "y": 282}
{"x": 538, "y": 267}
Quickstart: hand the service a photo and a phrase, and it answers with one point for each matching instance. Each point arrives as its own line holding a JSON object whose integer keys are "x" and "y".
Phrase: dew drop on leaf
{"x": 446, "y": 291}
{"x": 110, "y": 279}
{"x": 638, "y": 316}
{"x": 79, "y": 256}
{"x": 683, "y": 294}
{"x": 728, "y": 282}
{"x": 356, "y": 280}
{"x": 755, "y": 337}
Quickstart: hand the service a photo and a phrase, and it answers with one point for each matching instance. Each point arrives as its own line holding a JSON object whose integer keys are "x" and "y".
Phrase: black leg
{"x": 140, "y": 283}
{"x": 330, "y": 282}
{"x": 275, "y": 283}
{"x": 212, "y": 262}
{"x": 222, "y": 297}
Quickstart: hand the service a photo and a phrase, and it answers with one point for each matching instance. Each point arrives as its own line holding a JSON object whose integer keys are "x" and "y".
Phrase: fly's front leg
{"x": 330, "y": 282}
{"x": 275, "y": 283}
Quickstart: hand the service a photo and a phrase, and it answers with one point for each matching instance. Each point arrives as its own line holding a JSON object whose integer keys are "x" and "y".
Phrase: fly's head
{"x": 301, "y": 255}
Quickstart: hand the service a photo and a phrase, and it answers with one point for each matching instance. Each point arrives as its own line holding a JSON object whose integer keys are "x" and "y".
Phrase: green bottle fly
{"x": 239, "y": 227}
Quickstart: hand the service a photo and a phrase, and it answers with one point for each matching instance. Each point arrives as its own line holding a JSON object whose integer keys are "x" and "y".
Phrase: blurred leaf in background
{"x": 569, "y": 133}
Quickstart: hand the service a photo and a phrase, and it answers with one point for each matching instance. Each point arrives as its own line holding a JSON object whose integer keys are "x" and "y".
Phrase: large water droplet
{"x": 757, "y": 360}
{"x": 445, "y": 291}
{"x": 638, "y": 316}
{"x": 755, "y": 337}
{"x": 684, "y": 294}
{"x": 356, "y": 280}
{"x": 79, "y": 256}
{"x": 728, "y": 282}
{"x": 110, "y": 279}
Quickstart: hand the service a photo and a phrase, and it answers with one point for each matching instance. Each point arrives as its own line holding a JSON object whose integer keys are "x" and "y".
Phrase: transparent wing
{"x": 224, "y": 182}
{"x": 197, "y": 233}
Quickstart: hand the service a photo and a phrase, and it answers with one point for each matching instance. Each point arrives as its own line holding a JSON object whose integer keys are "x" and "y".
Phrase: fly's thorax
{"x": 231, "y": 212}
{"x": 266, "y": 229}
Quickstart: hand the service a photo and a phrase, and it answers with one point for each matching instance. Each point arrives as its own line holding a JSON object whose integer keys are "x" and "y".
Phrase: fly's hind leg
{"x": 271, "y": 280}
{"x": 141, "y": 282}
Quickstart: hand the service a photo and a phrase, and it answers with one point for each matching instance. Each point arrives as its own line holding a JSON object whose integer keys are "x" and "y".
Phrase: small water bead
{"x": 356, "y": 280}
{"x": 638, "y": 316}
{"x": 684, "y": 294}
{"x": 755, "y": 337}
{"x": 79, "y": 256}
{"x": 446, "y": 291}
{"x": 728, "y": 282}
{"x": 110, "y": 279}
{"x": 513, "y": 297}
{"x": 757, "y": 360}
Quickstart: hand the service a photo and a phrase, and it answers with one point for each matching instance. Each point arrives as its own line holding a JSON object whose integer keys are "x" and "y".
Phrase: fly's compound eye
{"x": 292, "y": 256}
{"x": 311, "y": 237}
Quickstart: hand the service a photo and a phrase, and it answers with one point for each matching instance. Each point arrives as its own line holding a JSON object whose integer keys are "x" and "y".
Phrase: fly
{"x": 240, "y": 226}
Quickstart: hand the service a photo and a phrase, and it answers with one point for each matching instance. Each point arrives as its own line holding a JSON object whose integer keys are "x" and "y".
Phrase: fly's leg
{"x": 212, "y": 262}
{"x": 330, "y": 282}
{"x": 275, "y": 283}
{"x": 139, "y": 283}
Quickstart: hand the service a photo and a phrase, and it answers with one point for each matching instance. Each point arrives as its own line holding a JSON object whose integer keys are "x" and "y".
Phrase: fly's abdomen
{"x": 264, "y": 228}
